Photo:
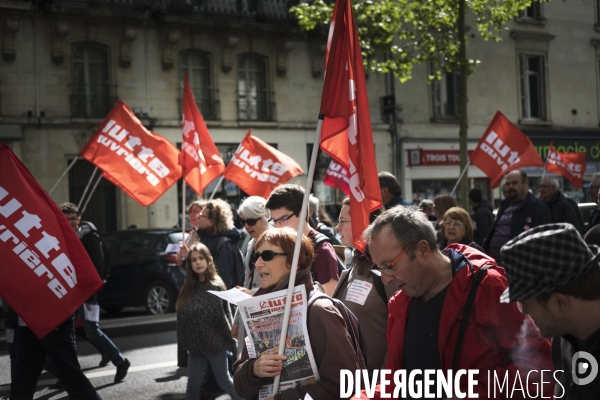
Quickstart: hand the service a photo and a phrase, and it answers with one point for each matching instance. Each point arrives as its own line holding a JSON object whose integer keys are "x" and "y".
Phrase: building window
{"x": 91, "y": 91}
{"x": 445, "y": 96}
{"x": 254, "y": 98}
{"x": 533, "y": 87}
{"x": 534, "y": 11}
{"x": 198, "y": 65}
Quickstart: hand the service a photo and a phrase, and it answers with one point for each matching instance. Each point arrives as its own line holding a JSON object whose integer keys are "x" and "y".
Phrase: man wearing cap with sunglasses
{"x": 555, "y": 276}
{"x": 439, "y": 289}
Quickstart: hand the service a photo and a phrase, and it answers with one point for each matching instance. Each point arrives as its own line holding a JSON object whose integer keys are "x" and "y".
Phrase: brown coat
{"x": 331, "y": 346}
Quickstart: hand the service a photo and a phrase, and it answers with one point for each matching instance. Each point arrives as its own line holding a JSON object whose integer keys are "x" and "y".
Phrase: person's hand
{"x": 245, "y": 290}
{"x": 268, "y": 365}
{"x": 234, "y": 331}
{"x": 183, "y": 251}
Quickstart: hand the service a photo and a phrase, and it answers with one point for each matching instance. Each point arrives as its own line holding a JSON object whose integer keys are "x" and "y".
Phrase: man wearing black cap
{"x": 555, "y": 276}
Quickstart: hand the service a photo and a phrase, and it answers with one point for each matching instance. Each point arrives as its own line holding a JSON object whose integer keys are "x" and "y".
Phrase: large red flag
{"x": 45, "y": 274}
{"x": 346, "y": 134}
{"x": 571, "y": 165}
{"x": 337, "y": 177}
{"x": 138, "y": 161}
{"x": 504, "y": 148}
{"x": 199, "y": 157}
{"x": 258, "y": 168}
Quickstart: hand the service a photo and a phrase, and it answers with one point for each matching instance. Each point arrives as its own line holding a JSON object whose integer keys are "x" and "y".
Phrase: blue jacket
{"x": 531, "y": 212}
{"x": 397, "y": 200}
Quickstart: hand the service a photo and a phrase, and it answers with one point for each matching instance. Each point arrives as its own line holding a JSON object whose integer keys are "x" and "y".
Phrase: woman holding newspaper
{"x": 329, "y": 340}
{"x": 204, "y": 322}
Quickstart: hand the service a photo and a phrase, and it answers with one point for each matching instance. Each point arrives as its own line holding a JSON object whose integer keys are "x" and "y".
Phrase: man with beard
{"x": 522, "y": 212}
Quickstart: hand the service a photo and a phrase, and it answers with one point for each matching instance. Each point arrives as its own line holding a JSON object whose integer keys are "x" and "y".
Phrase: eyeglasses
{"x": 457, "y": 224}
{"x": 203, "y": 216}
{"x": 390, "y": 270}
{"x": 343, "y": 221}
{"x": 266, "y": 255}
{"x": 281, "y": 221}
{"x": 249, "y": 221}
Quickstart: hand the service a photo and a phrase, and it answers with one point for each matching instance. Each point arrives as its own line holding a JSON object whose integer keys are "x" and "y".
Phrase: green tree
{"x": 397, "y": 34}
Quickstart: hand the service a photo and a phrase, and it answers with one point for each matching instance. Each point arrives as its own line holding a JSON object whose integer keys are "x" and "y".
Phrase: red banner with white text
{"x": 346, "y": 135}
{"x": 570, "y": 165}
{"x": 504, "y": 148}
{"x": 199, "y": 158}
{"x": 138, "y": 161}
{"x": 337, "y": 176}
{"x": 45, "y": 274}
{"x": 258, "y": 168}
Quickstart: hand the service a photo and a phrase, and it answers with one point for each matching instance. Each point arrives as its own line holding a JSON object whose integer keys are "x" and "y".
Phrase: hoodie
{"x": 225, "y": 259}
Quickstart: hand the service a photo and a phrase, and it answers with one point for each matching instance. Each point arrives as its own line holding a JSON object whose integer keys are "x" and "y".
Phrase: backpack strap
{"x": 320, "y": 238}
{"x": 378, "y": 283}
{"x": 220, "y": 244}
{"x": 466, "y": 312}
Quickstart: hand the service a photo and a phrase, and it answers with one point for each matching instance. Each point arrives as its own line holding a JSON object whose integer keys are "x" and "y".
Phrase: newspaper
{"x": 262, "y": 317}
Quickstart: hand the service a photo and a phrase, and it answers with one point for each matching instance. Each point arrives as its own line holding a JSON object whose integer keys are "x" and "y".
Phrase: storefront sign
{"x": 421, "y": 157}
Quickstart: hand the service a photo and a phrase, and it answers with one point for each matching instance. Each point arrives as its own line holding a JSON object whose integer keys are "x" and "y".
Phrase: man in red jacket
{"x": 425, "y": 315}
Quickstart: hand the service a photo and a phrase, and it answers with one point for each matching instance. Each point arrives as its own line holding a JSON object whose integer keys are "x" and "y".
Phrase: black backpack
{"x": 106, "y": 257}
{"x": 317, "y": 240}
{"x": 352, "y": 326}
{"x": 238, "y": 268}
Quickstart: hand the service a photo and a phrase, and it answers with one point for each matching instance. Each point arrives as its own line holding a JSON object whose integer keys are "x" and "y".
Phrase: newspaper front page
{"x": 263, "y": 317}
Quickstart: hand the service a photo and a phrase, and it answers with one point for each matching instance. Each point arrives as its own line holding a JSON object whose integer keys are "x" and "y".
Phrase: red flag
{"x": 346, "y": 134}
{"x": 571, "y": 165}
{"x": 504, "y": 148}
{"x": 337, "y": 177}
{"x": 258, "y": 168}
{"x": 138, "y": 161}
{"x": 199, "y": 157}
{"x": 46, "y": 274}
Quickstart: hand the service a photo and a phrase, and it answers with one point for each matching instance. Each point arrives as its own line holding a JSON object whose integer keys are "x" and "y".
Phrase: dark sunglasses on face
{"x": 266, "y": 255}
{"x": 249, "y": 221}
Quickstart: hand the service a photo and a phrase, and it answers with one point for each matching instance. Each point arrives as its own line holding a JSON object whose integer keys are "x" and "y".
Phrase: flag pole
{"x": 212, "y": 196}
{"x": 460, "y": 177}
{"x": 90, "y": 196}
{"x": 183, "y": 211}
{"x": 86, "y": 188}
{"x": 301, "y": 224}
{"x": 230, "y": 161}
{"x": 546, "y": 162}
{"x": 63, "y": 175}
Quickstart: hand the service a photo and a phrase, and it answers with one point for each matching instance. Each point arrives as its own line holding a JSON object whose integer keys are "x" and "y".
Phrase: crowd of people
{"x": 447, "y": 289}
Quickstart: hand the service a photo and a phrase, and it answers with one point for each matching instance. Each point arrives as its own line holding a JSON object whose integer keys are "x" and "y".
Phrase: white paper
{"x": 250, "y": 348}
{"x": 92, "y": 312}
{"x": 359, "y": 291}
{"x": 307, "y": 397}
{"x": 172, "y": 248}
{"x": 232, "y": 295}
{"x": 10, "y": 336}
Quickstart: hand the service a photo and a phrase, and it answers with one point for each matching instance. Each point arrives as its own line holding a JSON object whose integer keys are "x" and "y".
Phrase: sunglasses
{"x": 249, "y": 221}
{"x": 266, "y": 255}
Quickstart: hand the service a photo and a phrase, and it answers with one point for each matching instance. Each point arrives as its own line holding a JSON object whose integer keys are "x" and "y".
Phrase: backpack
{"x": 106, "y": 257}
{"x": 352, "y": 326}
{"x": 378, "y": 283}
{"x": 238, "y": 267}
{"x": 317, "y": 240}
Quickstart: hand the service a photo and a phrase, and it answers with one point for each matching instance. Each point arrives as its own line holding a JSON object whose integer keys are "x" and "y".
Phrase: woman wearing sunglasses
{"x": 255, "y": 219}
{"x": 329, "y": 339}
{"x": 457, "y": 228}
{"x": 364, "y": 293}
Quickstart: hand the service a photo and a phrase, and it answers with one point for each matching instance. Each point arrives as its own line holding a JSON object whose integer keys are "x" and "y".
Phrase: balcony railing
{"x": 92, "y": 101}
{"x": 207, "y": 102}
{"x": 256, "y": 108}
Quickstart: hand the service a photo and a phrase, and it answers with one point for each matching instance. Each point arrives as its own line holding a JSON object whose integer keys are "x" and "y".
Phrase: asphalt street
{"x": 153, "y": 373}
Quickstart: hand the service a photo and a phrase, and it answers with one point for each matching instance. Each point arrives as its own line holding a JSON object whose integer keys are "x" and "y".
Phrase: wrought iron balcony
{"x": 92, "y": 101}
{"x": 253, "y": 107}
{"x": 207, "y": 102}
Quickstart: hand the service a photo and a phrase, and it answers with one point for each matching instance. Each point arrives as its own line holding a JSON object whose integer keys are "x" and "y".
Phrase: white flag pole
{"x": 460, "y": 177}
{"x": 302, "y": 223}
{"x": 183, "y": 211}
{"x": 212, "y": 196}
{"x": 63, "y": 175}
{"x": 90, "y": 196}
{"x": 545, "y": 162}
{"x": 86, "y": 188}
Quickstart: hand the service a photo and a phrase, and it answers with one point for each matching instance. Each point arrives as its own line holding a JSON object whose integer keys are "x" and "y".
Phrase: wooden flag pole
{"x": 90, "y": 196}
{"x": 301, "y": 224}
{"x": 86, "y": 188}
{"x": 63, "y": 175}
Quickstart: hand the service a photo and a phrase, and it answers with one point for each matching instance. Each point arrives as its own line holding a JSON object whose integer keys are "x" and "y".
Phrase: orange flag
{"x": 571, "y": 165}
{"x": 504, "y": 148}
{"x": 138, "y": 161}
{"x": 346, "y": 134}
{"x": 199, "y": 158}
{"x": 258, "y": 168}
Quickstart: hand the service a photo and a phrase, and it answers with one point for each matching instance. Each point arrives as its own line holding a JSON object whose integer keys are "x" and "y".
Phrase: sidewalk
{"x": 123, "y": 326}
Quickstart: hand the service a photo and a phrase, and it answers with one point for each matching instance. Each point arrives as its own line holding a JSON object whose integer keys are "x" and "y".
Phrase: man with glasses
{"x": 593, "y": 192}
{"x": 285, "y": 204}
{"x": 439, "y": 289}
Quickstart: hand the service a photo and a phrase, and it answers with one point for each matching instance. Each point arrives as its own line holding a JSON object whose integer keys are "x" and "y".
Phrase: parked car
{"x": 586, "y": 210}
{"x": 142, "y": 272}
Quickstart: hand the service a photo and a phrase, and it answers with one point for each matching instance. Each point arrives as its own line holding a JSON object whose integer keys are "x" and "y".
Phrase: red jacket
{"x": 498, "y": 338}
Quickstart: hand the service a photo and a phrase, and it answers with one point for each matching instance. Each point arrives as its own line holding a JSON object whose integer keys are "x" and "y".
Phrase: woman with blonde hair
{"x": 457, "y": 227}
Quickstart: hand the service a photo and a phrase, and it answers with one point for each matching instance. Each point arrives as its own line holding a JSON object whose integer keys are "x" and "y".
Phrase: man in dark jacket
{"x": 555, "y": 276}
{"x": 593, "y": 193}
{"x": 482, "y": 215}
{"x": 391, "y": 192}
{"x": 560, "y": 208}
{"x": 89, "y": 312}
{"x": 522, "y": 212}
